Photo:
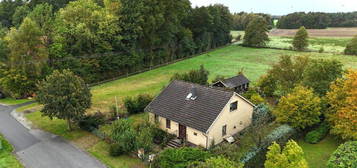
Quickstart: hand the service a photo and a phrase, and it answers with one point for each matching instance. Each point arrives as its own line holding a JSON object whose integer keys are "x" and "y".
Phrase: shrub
{"x": 253, "y": 96}
{"x": 280, "y": 135}
{"x": 318, "y": 134}
{"x": 351, "y": 48}
{"x": 15, "y": 83}
{"x": 228, "y": 150}
{"x": 345, "y": 156}
{"x": 180, "y": 158}
{"x": 199, "y": 76}
{"x": 123, "y": 134}
{"x": 321, "y": 50}
{"x": 91, "y": 121}
{"x": 217, "y": 162}
{"x": 135, "y": 105}
{"x": 261, "y": 113}
{"x": 116, "y": 150}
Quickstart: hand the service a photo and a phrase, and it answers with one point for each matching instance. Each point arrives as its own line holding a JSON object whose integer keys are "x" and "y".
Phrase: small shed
{"x": 239, "y": 83}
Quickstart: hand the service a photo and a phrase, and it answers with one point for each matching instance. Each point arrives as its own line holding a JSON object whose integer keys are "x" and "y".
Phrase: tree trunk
{"x": 69, "y": 124}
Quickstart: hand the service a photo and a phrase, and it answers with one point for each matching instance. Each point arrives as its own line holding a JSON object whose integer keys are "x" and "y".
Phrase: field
{"x": 7, "y": 159}
{"x": 329, "y": 32}
{"x": 225, "y": 61}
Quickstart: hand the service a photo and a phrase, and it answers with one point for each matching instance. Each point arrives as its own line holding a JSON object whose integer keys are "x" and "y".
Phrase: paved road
{"x": 39, "y": 149}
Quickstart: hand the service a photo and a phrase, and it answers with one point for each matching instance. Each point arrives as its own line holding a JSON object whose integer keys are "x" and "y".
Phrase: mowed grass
{"x": 226, "y": 61}
{"x": 329, "y": 44}
{"x": 317, "y": 155}
{"x": 11, "y": 101}
{"x": 7, "y": 159}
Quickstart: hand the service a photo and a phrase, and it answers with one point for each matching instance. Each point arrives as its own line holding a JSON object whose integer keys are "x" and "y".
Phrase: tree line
{"x": 242, "y": 19}
{"x": 317, "y": 20}
{"x": 101, "y": 39}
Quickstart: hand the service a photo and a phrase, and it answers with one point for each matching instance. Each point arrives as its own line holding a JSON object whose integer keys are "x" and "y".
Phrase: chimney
{"x": 192, "y": 95}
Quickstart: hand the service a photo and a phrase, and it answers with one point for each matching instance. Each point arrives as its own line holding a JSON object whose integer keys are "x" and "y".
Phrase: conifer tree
{"x": 256, "y": 33}
{"x": 300, "y": 41}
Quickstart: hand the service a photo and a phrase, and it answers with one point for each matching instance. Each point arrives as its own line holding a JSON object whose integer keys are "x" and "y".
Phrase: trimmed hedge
{"x": 318, "y": 134}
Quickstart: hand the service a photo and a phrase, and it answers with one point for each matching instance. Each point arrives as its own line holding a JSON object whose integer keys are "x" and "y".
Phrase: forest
{"x": 99, "y": 40}
{"x": 317, "y": 20}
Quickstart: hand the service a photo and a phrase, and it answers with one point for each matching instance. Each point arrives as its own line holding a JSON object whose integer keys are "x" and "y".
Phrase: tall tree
{"x": 27, "y": 50}
{"x": 300, "y": 41}
{"x": 342, "y": 106}
{"x": 319, "y": 74}
{"x": 42, "y": 14}
{"x": 20, "y": 13}
{"x": 300, "y": 108}
{"x": 7, "y": 10}
{"x": 64, "y": 96}
{"x": 256, "y": 33}
{"x": 83, "y": 27}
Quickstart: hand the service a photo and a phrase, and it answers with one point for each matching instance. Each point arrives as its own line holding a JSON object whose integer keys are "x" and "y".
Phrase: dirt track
{"x": 330, "y": 32}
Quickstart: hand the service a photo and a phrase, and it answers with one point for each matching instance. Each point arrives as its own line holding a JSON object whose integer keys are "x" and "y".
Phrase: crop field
{"x": 329, "y": 32}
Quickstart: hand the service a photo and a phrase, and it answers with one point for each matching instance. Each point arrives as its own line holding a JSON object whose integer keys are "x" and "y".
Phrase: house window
{"x": 234, "y": 106}
{"x": 156, "y": 118}
{"x": 168, "y": 124}
{"x": 195, "y": 133}
{"x": 224, "y": 130}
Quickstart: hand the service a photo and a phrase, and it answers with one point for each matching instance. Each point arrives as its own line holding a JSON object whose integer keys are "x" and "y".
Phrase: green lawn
{"x": 226, "y": 61}
{"x": 317, "y": 155}
{"x": 7, "y": 159}
{"x": 11, "y": 101}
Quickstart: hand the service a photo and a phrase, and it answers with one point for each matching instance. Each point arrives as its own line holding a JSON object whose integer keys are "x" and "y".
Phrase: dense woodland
{"x": 102, "y": 39}
{"x": 317, "y": 20}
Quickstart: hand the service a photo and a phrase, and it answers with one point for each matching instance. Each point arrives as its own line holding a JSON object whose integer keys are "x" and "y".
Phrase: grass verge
{"x": 11, "y": 101}
{"x": 7, "y": 159}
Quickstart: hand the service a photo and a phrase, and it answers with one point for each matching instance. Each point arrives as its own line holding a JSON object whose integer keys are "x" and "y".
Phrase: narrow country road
{"x": 39, "y": 149}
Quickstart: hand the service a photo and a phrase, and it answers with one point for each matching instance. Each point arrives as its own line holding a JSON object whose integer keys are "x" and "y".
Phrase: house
{"x": 239, "y": 83}
{"x": 198, "y": 114}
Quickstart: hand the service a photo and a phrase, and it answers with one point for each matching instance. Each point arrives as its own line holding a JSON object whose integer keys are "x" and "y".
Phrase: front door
{"x": 182, "y": 131}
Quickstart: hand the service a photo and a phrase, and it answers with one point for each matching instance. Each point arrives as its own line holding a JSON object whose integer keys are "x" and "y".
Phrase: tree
{"x": 342, "y": 99}
{"x": 300, "y": 41}
{"x": 344, "y": 156}
{"x": 301, "y": 108}
{"x": 292, "y": 156}
{"x": 351, "y": 48}
{"x": 283, "y": 76}
{"x": 256, "y": 33}
{"x": 27, "y": 50}
{"x": 83, "y": 27}
{"x": 20, "y": 13}
{"x": 319, "y": 74}
{"x": 42, "y": 14}
{"x": 64, "y": 96}
{"x": 7, "y": 10}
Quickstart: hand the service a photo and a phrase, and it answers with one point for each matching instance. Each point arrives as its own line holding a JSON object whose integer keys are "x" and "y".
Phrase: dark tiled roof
{"x": 199, "y": 113}
{"x": 235, "y": 81}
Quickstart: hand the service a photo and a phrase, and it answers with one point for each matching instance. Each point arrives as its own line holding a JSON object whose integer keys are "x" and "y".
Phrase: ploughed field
{"x": 329, "y": 32}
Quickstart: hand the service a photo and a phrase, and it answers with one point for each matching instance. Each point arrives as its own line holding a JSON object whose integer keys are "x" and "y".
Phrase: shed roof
{"x": 235, "y": 81}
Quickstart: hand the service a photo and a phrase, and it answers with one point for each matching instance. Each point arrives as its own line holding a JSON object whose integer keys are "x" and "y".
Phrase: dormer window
{"x": 233, "y": 106}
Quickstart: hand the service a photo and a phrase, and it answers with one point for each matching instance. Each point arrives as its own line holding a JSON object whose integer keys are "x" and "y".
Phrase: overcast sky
{"x": 282, "y": 7}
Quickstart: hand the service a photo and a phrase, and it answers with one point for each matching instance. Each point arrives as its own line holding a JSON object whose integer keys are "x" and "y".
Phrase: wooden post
{"x": 116, "y": 107}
